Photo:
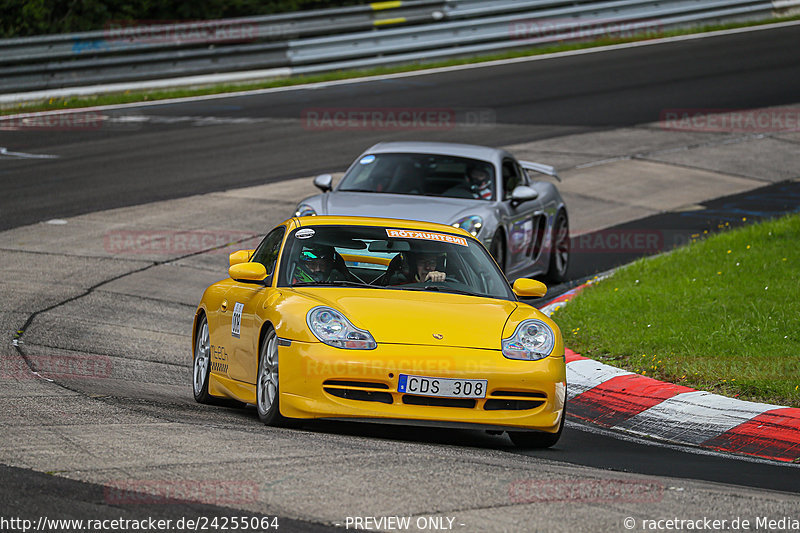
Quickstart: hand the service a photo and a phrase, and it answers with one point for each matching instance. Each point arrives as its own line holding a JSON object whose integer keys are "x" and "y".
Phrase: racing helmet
{"x": 317, "y": 260}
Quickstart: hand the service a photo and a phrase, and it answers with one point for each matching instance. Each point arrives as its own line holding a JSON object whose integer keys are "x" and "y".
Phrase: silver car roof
{"x": 460, "y": 150}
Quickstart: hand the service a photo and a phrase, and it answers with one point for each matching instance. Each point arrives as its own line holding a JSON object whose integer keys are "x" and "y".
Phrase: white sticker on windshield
{"x": 426, "y": 235}
{"x": 305, "y": 233}
{"x": 367, "y": 159}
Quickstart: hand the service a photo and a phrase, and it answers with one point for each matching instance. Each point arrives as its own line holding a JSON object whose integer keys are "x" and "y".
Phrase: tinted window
{"x": 422, "y": 174}
{"x": 267, "y": 251}
{"x": 511, "y": 178}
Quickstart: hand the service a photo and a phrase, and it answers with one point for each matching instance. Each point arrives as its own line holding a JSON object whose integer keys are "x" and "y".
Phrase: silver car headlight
{"x": 531, "y": 341}
{"x": 304, "y": 210}
{"x": 331, "y": 327}
{"x": 472, "y": 224}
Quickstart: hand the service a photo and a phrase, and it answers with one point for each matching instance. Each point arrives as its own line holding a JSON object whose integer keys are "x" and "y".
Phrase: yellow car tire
{"x": 267, "y": 394}
{"x": 201, "y": 363}
{"x": 538, "y": 440}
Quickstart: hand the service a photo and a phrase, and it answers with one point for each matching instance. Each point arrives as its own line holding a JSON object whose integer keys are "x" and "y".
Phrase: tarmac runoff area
{"x": 118, "y": 288}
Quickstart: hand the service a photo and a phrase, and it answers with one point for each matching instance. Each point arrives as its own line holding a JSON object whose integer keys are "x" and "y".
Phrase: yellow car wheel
{"x": 531, "y": 439}
{"x": 267, "y": 396}
{"x": 202, "y": 362}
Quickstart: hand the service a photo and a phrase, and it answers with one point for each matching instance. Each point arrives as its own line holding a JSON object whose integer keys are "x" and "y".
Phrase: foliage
{"x": 22, "y": 18}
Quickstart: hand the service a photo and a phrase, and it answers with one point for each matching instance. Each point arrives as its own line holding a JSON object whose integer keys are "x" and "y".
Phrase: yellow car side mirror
{"x": 529, "y": 288}
{"x": 248, "y": 272}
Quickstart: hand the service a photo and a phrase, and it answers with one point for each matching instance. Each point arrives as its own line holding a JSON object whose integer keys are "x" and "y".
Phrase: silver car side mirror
{"x": 324, "y": 182}
{"x": 523, "y": 193}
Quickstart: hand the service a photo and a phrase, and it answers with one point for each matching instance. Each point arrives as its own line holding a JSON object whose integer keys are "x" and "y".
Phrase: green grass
{"x": 143, "y": 96}
{"x": 720, "y": 314}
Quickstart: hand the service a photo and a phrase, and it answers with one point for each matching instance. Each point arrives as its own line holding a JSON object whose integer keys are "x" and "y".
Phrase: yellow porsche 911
{"x": 381, "y": 320}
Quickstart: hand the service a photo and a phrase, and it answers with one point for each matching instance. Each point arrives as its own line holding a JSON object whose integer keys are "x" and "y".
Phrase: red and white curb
{"x": 620, "y": 400}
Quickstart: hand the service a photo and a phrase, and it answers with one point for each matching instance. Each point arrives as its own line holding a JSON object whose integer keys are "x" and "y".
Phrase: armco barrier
{"x": 520, "y": 29}
{"x": 351, "y": 37}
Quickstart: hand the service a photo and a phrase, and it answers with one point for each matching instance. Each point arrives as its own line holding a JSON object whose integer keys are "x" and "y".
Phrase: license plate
{"x": 450, "y": 388}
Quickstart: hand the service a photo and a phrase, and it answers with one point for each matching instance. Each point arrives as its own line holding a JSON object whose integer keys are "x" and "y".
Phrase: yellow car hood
{"x": 420, "y": 317}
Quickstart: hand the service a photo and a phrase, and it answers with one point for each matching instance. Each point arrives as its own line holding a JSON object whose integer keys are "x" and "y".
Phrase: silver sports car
{"x": 522, "y": 221}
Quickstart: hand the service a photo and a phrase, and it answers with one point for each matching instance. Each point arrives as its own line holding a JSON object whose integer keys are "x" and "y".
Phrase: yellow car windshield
{"x": 390, "y": 257}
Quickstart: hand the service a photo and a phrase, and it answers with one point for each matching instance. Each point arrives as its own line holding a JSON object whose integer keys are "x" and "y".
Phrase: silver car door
{"x": 521, "y": 227}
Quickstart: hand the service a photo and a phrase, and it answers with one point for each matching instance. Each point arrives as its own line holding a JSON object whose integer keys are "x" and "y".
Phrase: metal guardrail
{"x": 130, "y": 36}
{"x": 154, "y": 50}
{"x": 350, "y": 37}
{"x": 543, "y": 25}
{"x": 551, "y": 22}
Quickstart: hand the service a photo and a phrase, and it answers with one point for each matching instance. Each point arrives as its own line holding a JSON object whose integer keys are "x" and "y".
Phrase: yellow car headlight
{"x": 332, "y": 327}
{"x": 531, "y": 341}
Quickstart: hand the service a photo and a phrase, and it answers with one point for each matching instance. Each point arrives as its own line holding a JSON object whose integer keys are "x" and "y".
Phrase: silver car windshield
{"x": 390, "y": 258}
{"x": 423, "y": 175}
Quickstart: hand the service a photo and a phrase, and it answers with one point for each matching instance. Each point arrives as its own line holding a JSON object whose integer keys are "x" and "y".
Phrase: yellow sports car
{"x": 381, "y": 320}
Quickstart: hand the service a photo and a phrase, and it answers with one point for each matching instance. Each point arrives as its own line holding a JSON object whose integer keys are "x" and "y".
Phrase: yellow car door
{"x": 245, "y": 300}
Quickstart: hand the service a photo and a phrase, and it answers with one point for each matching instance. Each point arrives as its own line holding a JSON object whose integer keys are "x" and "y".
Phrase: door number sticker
{"x": 236, "y": 322}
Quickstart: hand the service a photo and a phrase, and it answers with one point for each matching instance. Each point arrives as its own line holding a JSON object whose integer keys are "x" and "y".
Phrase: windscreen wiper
{"x": 436, "y": 288}
{"x": 336, "y": 283}
{"x": 450, "y": 289}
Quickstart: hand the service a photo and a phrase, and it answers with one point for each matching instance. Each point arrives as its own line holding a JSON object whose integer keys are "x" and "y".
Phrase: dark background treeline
{"x": 19, "y": 18}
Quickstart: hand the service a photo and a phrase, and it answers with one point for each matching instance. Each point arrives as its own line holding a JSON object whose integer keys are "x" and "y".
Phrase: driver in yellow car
{"x": 426, "y": 268}
{"x": 409, "y": 267}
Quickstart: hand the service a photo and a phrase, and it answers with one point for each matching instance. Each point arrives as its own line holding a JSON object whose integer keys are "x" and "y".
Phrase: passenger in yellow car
{"x": 414, "y": 268}
{"x": 319, "y": 264}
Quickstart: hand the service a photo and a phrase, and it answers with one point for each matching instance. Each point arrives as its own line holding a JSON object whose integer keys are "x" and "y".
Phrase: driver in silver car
{"x": 477, "y": 184}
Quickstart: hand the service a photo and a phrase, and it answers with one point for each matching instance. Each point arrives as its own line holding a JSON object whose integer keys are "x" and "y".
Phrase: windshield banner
{"x": 440, "y": 237}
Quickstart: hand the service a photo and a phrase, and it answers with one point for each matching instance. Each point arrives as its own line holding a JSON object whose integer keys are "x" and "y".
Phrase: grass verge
{"x": 150, "y": 95}
{"x": 720, "y": 314}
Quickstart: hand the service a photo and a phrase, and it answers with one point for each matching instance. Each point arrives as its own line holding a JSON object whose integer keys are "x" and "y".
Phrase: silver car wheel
{"x": 267, "y": 389}
{"x": 202, "y": 353}
{"x": 498, "y": 249}
{"x": 561, "y": 245}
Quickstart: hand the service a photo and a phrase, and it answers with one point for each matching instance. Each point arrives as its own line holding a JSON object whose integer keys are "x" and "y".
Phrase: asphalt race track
{"x": 179, "y": 149}
{"x": 65, "y": 442}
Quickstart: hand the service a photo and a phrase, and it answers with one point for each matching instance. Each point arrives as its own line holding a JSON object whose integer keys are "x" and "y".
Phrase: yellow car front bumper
{"x": 320, "y": 381}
